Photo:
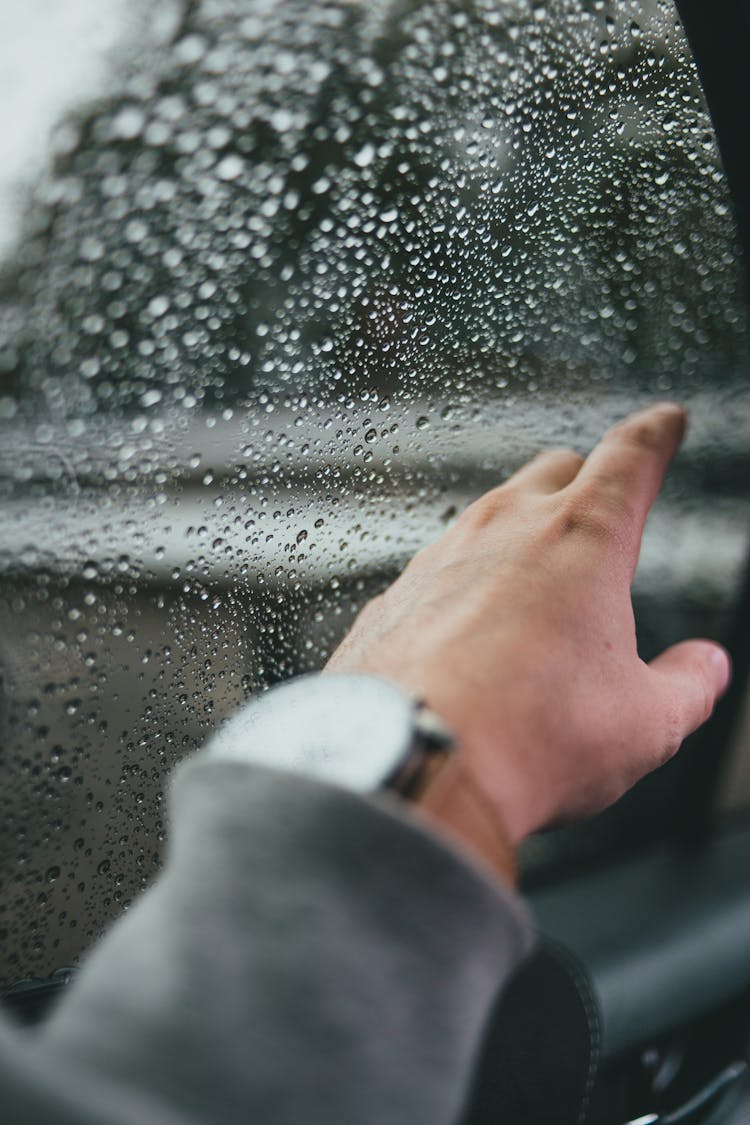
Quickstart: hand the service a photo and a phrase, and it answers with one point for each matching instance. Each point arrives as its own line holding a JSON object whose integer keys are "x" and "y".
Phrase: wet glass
{"x": 291, "y": 284}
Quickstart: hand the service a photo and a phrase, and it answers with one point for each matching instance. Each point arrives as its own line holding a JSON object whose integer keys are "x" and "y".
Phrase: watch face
{"x": 352, "y": 731}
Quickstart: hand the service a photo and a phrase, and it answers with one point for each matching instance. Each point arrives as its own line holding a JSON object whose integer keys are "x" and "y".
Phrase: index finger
{"x": 624, "y": 472}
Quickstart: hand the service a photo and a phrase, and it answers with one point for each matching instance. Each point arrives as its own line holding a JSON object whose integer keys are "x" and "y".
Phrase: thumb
{"x": 694, "y": 676}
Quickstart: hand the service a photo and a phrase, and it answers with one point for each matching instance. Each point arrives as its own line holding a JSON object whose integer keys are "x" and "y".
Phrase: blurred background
{"x": 282, "y": 288}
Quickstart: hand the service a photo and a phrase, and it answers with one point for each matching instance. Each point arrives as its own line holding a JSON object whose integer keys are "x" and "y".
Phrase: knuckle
{"x": 618, "y": 504}
{"x": 599, "y": 517}
{"x": 672, "y": 743}
{"x": 643, "y": 434}
{"x": 681, "y": 717}
{"x": 484, "y": 511}
{"x": 671, "y": 733}
{"x": 584, "y": 522}
{"x": 614, "y": 504}
{"x": 565, "y": 461}
{"x": 585, "y": 517}
{"x": 564, "y": 455}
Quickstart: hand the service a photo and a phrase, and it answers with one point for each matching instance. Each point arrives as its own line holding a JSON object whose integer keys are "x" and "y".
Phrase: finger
{"x": 623, "y": 474}
{"x": 549, "y": 471}
{"x": 692, "y": 675}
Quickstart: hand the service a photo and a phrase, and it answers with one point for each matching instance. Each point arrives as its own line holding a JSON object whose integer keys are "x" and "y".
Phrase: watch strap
{"x": 431, "y": 744}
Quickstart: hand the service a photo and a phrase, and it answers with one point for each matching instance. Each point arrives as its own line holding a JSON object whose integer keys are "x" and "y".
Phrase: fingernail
{"x": 676, "y": 410}
{"x": 667, "y": 406}
{"x": 723, "y": 666}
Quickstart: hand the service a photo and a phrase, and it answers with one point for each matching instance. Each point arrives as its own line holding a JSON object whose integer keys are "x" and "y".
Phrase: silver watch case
{"x": 359, "y": 732}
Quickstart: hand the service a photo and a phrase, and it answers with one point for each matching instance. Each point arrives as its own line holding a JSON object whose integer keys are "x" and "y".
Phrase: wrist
{"x": 455, "y": 804}
{"x": 501, "y": 766}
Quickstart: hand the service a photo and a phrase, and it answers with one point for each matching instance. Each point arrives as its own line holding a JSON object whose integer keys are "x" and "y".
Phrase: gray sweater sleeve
{"x": 307, "y": 956}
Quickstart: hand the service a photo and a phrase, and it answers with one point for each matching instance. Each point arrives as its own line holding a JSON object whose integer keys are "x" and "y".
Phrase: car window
{"x": 285, "y": 286}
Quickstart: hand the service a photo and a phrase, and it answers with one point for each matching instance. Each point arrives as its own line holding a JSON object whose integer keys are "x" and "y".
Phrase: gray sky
{"x": 53, "y": 53}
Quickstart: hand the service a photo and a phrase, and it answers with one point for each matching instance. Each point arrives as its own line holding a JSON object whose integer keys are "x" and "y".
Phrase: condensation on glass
{"x": 304, "y": 279}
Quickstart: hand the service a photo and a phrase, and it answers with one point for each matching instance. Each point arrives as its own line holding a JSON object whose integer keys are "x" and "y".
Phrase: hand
{"x": 517, "y": 628}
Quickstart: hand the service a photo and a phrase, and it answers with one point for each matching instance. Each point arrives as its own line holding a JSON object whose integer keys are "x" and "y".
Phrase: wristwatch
{"x": 360, "y": 732}
{"x": 364, "y": 734}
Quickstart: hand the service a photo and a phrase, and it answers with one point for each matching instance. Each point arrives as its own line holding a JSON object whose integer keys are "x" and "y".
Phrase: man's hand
{"x": 517, "y": 628}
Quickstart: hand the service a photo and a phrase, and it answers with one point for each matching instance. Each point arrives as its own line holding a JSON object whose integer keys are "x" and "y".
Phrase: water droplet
{"x": 128, "y": 123}
{"x": 365, "y": 156}
{"x": 230, "y": 168}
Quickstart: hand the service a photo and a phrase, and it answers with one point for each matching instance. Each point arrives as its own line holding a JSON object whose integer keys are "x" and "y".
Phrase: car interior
{"x": 283, "y": 287}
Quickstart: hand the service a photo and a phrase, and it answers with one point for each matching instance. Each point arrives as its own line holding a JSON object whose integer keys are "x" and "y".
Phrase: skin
{"x": 517, "y": 628}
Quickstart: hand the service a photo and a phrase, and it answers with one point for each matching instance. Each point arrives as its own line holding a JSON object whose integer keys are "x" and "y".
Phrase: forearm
{"x": 306, "y": 956}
